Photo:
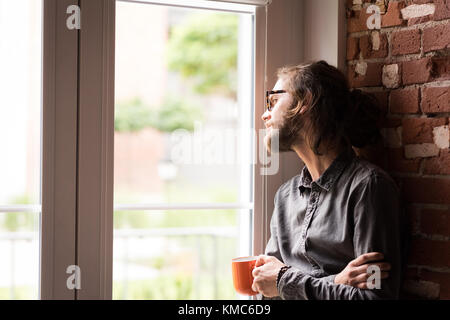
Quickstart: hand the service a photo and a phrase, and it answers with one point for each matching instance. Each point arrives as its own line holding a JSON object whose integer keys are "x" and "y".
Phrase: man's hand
{"x": 355, "y": 273}
{"x": 265, "y": 275}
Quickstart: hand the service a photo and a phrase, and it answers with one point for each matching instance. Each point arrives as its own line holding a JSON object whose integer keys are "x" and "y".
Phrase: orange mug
{"x": 242, "y": 275}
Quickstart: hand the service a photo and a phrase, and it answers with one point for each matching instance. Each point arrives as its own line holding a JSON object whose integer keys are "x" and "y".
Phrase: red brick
{"x": 441, "y": 68}
{"x": 436, "y": 38}
{"x": 358, "y": 21}
{"x": 434, "y": 221}
{"x": 420, "y": 130}
{"x": 419, "y": 20}
{"x": 417, "y": 71}
{"x": 430, "y": 252}
{"x": 419, "y": 290}
{"x": 413, "y": 215}
{"x": 352, "y": 48}
{"x": 397, "y": 162}
{"x": 442, "y": 10}
{"x": 427, "y": 190}
{"x": 442, "y": 278}
{"x": 410, "y": 2}
{"x": 372, "y": 78}
{"x": 404, "y": 101}
{"x": 438, "y": 165}
{"x": 349, "y": 4}
{"x": 405, "y": 42}
{"x": 435, "y": 99}
{"x": 393, "y": 16}
{"x": 367, "y": 50}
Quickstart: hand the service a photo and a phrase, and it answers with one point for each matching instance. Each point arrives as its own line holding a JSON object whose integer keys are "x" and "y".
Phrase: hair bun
{"x": 361, "y": 128}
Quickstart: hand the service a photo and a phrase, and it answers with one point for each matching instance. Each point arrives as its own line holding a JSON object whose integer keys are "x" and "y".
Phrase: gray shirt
{"x": 319, "y": 226}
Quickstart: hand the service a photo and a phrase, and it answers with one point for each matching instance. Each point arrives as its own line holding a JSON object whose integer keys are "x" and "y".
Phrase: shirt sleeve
{"x": 377, "y": 227}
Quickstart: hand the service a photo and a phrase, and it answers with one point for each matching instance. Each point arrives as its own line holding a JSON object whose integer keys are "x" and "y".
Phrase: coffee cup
{"x": 242, "y": 268}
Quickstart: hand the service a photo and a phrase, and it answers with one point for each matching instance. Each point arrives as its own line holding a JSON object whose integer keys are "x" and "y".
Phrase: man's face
{"x": 275, "y": 119}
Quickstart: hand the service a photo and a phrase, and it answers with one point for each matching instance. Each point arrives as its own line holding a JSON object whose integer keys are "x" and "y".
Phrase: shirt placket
{"x": 311, "y": 208}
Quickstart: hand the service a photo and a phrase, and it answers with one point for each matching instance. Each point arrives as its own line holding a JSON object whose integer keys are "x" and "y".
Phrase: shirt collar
{"x": 330, "y": 175}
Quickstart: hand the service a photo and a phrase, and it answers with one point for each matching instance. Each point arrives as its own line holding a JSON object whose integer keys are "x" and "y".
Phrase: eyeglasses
{"x": 269, "y": 105}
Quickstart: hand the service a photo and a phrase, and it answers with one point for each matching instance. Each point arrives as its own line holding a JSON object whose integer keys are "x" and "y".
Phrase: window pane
{"x": 19, "y": 249}
{"x": 182, "y": 121}
{"x": 183, "y": 135}
{"x": 20, "y": 142}
{"x": 175, "y": 254}
{"x": 20, "y": 88}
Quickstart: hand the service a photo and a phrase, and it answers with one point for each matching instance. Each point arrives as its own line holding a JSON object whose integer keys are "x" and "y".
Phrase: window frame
{"x": 59, "y": 151}
{"x": 95, "y": 187}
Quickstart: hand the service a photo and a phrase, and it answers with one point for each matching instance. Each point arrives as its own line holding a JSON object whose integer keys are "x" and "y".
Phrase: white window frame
{"x": 95, "y": 185}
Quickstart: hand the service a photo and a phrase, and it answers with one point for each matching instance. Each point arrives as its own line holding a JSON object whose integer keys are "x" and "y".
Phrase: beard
{"x": 281, "y": 139}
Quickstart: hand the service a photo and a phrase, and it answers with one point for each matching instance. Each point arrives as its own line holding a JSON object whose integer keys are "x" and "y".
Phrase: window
{"x": 20, "y": 132}
{"x": 183, "y": 171}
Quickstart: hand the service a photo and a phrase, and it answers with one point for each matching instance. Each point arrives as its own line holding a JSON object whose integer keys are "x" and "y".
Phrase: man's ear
{"x": 306, "y": 102}
{"x": 303, "y": 109}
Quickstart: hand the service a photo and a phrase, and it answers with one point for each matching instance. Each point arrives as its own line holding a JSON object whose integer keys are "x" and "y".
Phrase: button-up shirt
{"x": 318, "y": 227}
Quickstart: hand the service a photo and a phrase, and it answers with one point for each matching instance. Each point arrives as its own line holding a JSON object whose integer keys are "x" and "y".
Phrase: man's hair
{"x": 335, "y": 113}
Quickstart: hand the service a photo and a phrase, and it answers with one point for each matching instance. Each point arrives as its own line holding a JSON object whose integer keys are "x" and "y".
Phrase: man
{"x": 341, "y": 214}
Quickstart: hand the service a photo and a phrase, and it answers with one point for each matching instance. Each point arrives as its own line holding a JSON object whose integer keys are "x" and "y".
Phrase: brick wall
{"x": 406, "y": 64}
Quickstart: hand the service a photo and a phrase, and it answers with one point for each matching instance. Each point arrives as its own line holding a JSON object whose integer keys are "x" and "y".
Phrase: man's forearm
{"x": 294, "y": 285}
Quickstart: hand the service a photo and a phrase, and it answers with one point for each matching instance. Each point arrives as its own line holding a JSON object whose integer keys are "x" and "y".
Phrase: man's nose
{"x": 266, "y": 115}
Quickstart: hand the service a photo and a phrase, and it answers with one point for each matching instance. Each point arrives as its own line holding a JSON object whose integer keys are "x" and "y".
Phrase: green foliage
{"x": 176, "y": 114}
{"x": 20, "y": 293}
{"x": 174, "y": 219}
{"x": 133, "y": 116}
{"x": 204, "y": 48}
{"x": 19, "y": 221}
{"x": 173, "y": 114}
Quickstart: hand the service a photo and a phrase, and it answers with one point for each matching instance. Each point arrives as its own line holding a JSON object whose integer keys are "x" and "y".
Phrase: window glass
{"x": 183, "y": 150}
{"x": 20, "y": 142}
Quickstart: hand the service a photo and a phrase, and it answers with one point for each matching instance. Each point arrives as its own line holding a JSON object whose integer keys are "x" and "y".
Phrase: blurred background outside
{"x": 181, "y": 70}
{"x": 20, "y": 129}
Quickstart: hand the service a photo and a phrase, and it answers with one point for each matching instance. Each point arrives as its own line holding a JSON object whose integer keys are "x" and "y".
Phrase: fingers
{"x": 384, "y": 266}
{"x": 262, "y": 259}
{"x": 367, "y": 257}
{"x": 365, "y": 276}
{"x": 364, "y": 284}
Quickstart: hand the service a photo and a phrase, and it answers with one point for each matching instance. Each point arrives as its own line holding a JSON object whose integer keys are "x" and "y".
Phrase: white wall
{"x": 324, "y": 31}
{"x": 299, "y": 31}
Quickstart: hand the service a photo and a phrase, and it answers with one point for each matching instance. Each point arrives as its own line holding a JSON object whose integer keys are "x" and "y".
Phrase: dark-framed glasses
{"x": 269, "y": 102}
